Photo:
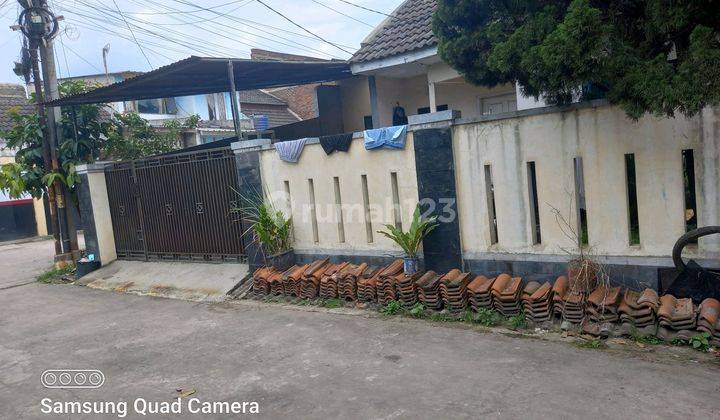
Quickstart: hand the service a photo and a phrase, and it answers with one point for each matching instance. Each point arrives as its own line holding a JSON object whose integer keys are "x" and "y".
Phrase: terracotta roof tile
{"x": 409, "y": 29}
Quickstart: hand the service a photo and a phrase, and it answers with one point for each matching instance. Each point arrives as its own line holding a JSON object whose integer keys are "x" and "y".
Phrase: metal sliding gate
{"x": 176, "y": 207}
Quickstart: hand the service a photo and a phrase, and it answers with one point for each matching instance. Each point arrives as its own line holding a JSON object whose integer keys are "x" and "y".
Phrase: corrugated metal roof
{"x": 203, "y": 75}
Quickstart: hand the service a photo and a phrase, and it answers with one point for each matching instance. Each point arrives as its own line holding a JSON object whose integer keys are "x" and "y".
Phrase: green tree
{"x": 90, "y": 132}
{"x": 651, "y": 56}
{"x": 132, "y": 137}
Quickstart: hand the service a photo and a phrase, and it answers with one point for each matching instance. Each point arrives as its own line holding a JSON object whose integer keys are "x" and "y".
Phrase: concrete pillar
{"x": 250, "y": 187}
{"x": 40, "y": 221}
{"x": 95, "y": 211}
{"x": 374, "y": 102}
{"x": 431, "y": 96}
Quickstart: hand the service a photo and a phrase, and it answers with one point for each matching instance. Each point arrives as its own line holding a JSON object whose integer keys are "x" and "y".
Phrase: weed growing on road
{"x": 590, "y": 344}
{"x": 331, "y": 303}
{"x": 55, "y": 275}
{"x": 487, "y": 317}
{"x": 417, "y": 311}
{"x": 518, "y": 321}
{"x": 700, "y": 342}
{"x": 644, "y": 339}
{"x": 393, "y": 307}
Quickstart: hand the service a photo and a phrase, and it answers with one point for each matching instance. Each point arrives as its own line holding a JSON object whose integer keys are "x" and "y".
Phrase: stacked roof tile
{"x": 452, "y": 290}
{"x": 708, "y": 317}
{"x": 478, "y": 291}
{"x": 638, "y": 312}
{"x": 347, "y": 280}
{"x": 506, "y": 293}
{"x": 573, "y": 308}
{"x": 537, "y": 302}
{"x": 405, "y": 286}
{"x": 386, "y": 284}
{"x": 260, "y": 283}
{"x": 602, "y": 304}
{"x": 560, "y": 290}
{"x": 291, "y": 280}
{"x": 428, "y": 290}
{"x": 676, "y": 318}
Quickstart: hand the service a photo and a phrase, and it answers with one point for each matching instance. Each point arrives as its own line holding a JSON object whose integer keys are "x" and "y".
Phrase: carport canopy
{"x": 204, "y": 75}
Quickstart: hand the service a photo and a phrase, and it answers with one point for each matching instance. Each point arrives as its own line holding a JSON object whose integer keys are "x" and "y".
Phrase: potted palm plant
{"x": 270, "y": 229}
{"x": 410, "y": 241}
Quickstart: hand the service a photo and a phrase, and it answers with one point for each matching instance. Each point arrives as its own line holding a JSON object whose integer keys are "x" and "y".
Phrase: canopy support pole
{"x": 234, "y": 100}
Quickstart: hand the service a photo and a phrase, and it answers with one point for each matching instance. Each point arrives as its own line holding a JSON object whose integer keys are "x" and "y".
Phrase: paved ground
{"x": 300, "y": 364}
{"x": 184, "y": 280}
{"x": 23, "y": 262}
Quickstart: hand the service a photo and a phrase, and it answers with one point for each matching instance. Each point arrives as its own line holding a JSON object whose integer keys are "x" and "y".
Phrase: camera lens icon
{"x": 72, "y": 378}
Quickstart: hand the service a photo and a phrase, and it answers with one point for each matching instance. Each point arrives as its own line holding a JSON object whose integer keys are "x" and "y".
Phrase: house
{"x": 23, "y": 217}
{"x": 257, "y": 107}
{"x": 398, "y": 64}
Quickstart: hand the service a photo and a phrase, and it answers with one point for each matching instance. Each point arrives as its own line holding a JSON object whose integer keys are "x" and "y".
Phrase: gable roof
{"x": 257, "y": 96}
{"x": 12, "y": 96}
{"x": 408, "y": 29}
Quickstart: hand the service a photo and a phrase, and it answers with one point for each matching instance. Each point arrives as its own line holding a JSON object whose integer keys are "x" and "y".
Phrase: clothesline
{"x": 386, "y": 137}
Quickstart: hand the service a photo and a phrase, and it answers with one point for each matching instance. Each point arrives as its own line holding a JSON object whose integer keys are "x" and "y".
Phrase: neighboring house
{"x": 301, "y": 99}
{"x": 24, "y": 217}
{"x": 400, "y": 64}
{"x": 257, "y": 108}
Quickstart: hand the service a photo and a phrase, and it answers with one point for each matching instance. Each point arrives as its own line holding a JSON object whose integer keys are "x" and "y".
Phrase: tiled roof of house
{"x": 12, "y": 96}
{"x": 259, "y": 97}
{"x": 409, "y": 29}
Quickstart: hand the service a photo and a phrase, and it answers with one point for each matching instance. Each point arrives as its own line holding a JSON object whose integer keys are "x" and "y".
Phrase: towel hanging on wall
{"x": 289, "y": 151}
{"x": 336, "y": 142}
{"x": 389, "y": 137}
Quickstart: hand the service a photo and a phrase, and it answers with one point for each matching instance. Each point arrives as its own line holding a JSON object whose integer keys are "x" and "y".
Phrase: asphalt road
{"x": 21, "y": 263}
{"x": 299, "y": 364}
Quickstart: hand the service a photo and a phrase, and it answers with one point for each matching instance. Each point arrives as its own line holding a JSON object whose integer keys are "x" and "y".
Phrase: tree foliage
{"x": 89, "y": 133}
{"x": 656, "y": 56}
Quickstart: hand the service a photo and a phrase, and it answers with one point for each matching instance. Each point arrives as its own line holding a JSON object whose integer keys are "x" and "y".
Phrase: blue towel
{"x": 289, "y": 151}
{"x": 389, "y": 137}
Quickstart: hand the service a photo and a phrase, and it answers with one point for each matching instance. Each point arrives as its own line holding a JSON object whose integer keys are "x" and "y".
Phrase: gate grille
{"x": 176, "y": 207}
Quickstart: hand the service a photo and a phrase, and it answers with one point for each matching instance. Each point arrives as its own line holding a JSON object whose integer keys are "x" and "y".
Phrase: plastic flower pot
{"x": 411, "y": 265}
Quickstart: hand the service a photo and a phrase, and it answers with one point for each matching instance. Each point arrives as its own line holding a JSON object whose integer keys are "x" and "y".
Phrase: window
{"x": 633, "y": 218}
{"x": 688, "y": 163}
{"x": 313, "y": 210}
{"x": 498, "y": 104}
{"x": 534, "y": 207}
{"x": 367, "y": 120}
{"x": 157, "y": 106}
{"x": 396, "y": 199}
{"x": 582, "y": 222}
{"x": 426, "y": 109}
{"x": 490, "y": 197}
{"x": 338, "y": 209}
{"x": 366, "y": 208}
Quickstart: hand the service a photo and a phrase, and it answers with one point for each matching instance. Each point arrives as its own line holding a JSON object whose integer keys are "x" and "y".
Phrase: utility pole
{"x": 40, "y": 26}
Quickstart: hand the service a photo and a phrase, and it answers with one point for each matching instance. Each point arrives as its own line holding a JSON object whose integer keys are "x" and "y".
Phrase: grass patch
{"x": 518, "y": 321}
{"x": 417, "y": 311}
{"x": 332, "y": 303}
{"x": 55, "y": 275}
{"x": 392, "y": 308}
{"x": 487, "y": 317}
{"x": 590, "y": 344}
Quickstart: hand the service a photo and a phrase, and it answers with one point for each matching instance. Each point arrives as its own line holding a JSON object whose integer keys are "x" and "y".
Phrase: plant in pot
{"x": 271, "y": 231}
{"x": 410, "y": 241}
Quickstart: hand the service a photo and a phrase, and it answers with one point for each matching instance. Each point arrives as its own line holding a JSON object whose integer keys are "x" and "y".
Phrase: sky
{"x": 170, "y": 30}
